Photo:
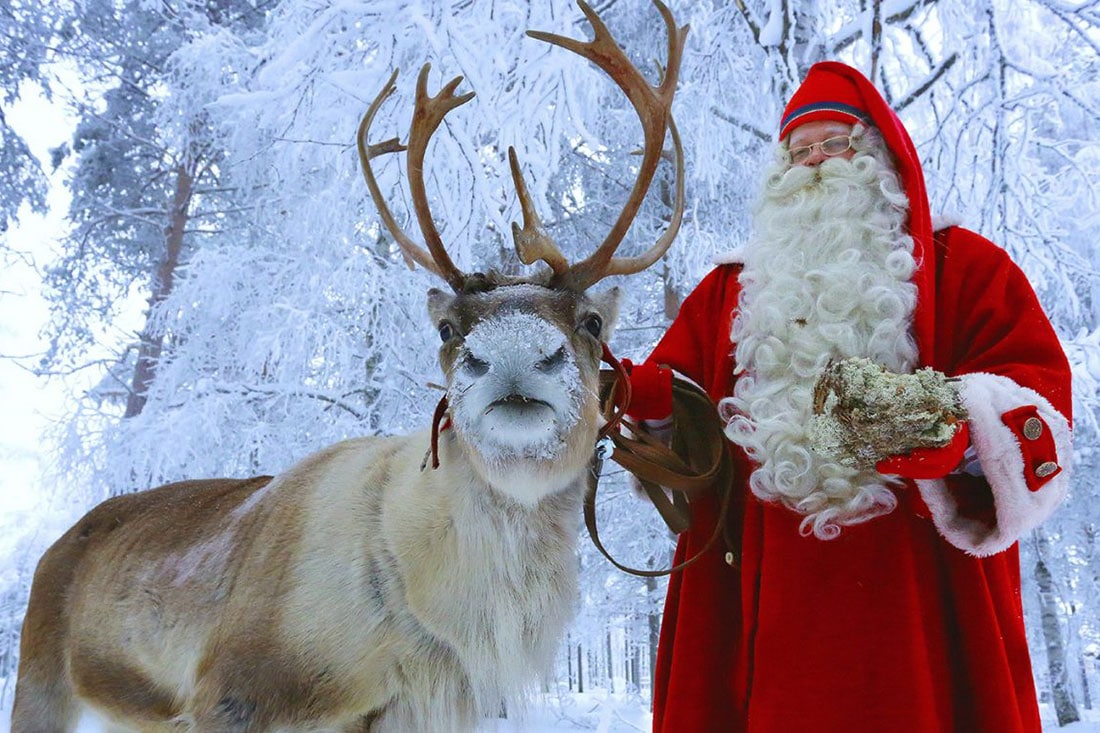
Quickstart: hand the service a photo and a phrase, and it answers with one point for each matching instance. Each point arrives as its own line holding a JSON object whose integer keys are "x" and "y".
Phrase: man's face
{"x": 811, "y": 135}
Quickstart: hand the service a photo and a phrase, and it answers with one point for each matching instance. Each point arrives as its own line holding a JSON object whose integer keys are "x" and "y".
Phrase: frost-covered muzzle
{"x": 515, "y": 388}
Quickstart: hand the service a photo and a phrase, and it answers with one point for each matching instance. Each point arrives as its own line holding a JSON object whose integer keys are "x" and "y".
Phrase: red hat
{"x": 824, "y": 95}
{"x": 836, "y": 91}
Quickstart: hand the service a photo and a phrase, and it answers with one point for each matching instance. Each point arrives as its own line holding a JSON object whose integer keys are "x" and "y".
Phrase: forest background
{"x": 223, "y": 301}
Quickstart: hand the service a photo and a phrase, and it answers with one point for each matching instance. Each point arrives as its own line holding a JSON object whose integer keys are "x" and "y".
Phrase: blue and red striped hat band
{"x": 816, "y": 108}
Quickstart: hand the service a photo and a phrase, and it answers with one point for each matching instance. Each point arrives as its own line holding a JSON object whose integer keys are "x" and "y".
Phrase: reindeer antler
{"x": 653, "y": 104}
{"x": 532, "y": 243}
{"x": 654, "y": 107}
{"x": 428, "y": 113}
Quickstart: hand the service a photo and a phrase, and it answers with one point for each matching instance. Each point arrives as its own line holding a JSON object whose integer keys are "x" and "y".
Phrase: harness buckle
{"x": 604, "y": 448}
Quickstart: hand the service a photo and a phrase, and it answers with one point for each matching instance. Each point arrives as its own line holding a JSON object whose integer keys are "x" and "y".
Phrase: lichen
{"x": 863, "y": 413}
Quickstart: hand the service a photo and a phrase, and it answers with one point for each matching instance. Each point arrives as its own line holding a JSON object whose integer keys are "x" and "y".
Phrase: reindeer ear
{"x": 439, "y": 303}
{"x": 606, "y": 303}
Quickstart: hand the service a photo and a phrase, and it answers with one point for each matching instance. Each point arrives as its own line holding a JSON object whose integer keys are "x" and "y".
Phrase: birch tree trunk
{"x": 1086, "y": 694}
{"x": 1057, "y": 667}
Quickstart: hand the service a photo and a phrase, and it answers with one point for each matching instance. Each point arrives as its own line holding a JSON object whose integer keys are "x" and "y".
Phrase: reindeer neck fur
{"x": 485, "y": 545}
{"x": 493, "y": 578}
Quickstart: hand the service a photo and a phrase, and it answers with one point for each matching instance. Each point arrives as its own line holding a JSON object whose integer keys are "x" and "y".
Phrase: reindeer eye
{"x": 593, "y": 324}
{"x": 446, "y": 332}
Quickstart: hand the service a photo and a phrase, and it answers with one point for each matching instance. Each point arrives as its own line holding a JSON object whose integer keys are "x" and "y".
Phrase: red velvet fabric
{"x": 889, "y": 627}
{"x": 650, "y": 390}
{"x": 1037, "y": 450}
{"x": 929, "y": 463}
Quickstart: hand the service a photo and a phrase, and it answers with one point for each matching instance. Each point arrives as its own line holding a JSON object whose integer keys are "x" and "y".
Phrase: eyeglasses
{"x": 833, "y": 146}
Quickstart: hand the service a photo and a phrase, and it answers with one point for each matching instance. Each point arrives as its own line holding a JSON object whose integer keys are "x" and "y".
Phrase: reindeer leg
{"x": 44, "y": 702}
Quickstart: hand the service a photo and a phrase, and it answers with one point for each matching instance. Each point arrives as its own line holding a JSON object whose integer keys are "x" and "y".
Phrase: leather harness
{"x": 694, "y": 463}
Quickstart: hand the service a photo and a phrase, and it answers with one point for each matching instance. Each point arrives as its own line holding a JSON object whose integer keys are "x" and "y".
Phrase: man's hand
{"x": 651, "y": 390}
{"x": 929, "y": 463}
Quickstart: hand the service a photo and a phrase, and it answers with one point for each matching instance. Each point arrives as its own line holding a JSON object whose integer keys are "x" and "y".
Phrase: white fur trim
{"x": 1017, "y": 509}
{"x": 946, "y": 219}
{"x": 735, "y": 256}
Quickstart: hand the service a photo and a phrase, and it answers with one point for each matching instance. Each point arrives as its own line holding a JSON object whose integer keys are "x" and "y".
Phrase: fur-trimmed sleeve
{"x": 1015, "y": 384}
{"x": 697, "y": 344}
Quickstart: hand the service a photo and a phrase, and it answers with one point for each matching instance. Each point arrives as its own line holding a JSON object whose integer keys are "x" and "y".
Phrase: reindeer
{"x": 362, "y": 590}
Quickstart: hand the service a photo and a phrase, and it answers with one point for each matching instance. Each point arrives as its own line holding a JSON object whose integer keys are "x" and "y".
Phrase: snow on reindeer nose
{"x": 515, "y": 344}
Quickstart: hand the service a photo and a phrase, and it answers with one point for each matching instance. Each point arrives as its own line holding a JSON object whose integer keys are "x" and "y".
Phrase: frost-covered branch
{"x": 922, "y": 88}
{"x": 741, "y": 124}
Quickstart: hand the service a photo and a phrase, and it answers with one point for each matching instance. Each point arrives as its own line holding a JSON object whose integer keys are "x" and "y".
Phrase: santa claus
{"x": 879, "y": 595}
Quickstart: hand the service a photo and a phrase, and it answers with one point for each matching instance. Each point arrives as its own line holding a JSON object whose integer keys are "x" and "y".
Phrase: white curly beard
{"x": 826, "y": 276}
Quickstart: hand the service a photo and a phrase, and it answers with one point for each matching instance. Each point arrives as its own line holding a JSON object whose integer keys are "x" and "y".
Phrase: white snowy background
{"x": 193, "y": 281}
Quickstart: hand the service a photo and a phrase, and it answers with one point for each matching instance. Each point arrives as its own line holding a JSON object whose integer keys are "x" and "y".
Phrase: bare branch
{"x": 754, "y": 26}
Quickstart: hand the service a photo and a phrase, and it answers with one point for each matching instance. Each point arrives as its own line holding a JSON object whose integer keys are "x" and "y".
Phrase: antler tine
{"x": 653, "y": 105}
{"x": 412, "y": 252}
{"x": 428, "y": 113}
{"x": 631, "y": 265}
{"x": 532, "y": 243}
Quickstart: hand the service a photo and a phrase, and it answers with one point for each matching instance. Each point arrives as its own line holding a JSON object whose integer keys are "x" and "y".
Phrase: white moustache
{"x": 831, "y": 176}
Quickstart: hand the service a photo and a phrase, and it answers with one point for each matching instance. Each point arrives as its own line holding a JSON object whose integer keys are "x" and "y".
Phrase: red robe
{"x": 910, "y": 622}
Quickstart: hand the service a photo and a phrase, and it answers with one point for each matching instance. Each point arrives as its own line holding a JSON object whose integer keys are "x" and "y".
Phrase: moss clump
{"x": 863, "y": 413}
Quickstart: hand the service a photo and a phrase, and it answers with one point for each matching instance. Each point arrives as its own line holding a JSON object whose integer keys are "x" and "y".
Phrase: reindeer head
{"x": 522, "y": 355}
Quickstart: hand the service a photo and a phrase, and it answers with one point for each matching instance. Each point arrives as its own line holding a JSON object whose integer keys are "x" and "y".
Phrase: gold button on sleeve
{"x": 1046, "y": 468}
{"x": 1033, "y": 428}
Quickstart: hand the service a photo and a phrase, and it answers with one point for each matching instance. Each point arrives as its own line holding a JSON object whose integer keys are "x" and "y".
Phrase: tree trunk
{"x": 580, "y": 669}
{"x": 610, "y": 666}
{"x": 628, "y": 653}
{"x": 152, "y": 340}
{"x": 672, "y": 297}
{"x": 654, "y": 630}
{"x": 1061, "y": 693}
{"x": 569, "y": 659}
{"x": 635, "y": 661}
{"x": 1086, "y": 695}
{"x": 876, "y": 40}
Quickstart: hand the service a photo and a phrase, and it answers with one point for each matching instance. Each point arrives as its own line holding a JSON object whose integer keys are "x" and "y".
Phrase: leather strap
{"x": 696, "y": 463}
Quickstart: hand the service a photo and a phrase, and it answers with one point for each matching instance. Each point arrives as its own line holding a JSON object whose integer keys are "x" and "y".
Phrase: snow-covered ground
{"x": 598, "y": 711}
{"x": 618, "y": 713}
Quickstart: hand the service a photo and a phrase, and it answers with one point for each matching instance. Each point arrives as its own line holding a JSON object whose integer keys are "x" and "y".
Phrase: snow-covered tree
{"x": 26, "y": 32}
{"x": 146, "y": 186}
{"x": 218, "y": 179}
